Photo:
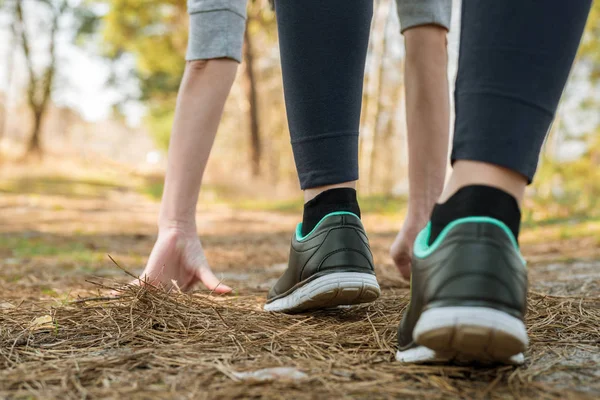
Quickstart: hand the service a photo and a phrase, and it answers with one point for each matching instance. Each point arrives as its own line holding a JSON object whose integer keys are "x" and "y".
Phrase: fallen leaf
{"x": 5, "y": 305}
{"x": 43, "y": 322}
{"x": 272, "y": 374}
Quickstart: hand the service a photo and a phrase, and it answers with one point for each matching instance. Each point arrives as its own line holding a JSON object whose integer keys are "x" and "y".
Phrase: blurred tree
{"x": 381, "y": 103}
{"x": 253, "y": 102}
{"x": 572, "y": 188}
{"x": 39, "y": 86}
{"x": 380, "y": 154}
{"x": 155, "y": 33}
{"x": 251, "y": 88}
{"x": 590, "y": 46}
{"x": 372, "y": 86}
{"x": 37, "y": 22}
{"x": 9, "y": 67}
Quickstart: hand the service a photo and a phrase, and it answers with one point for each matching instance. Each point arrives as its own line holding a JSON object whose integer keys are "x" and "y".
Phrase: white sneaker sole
{"x": 467, "y": 334}
{"x": 331, "y": 290}
{"x": 423, "y": 355}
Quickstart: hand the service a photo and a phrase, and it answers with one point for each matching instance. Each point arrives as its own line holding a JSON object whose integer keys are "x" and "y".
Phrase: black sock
{"x": 332, "y": 200}
{"x": 476, "y": 201}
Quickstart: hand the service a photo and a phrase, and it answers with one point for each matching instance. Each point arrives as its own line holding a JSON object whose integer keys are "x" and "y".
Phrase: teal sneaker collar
{"x": 422, "y": 249}
{"x": 301, "y": 238}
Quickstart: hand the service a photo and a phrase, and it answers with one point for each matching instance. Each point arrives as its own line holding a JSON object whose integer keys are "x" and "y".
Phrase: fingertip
{"x": 222, "y": 289}
{"x": 213, "y": 284}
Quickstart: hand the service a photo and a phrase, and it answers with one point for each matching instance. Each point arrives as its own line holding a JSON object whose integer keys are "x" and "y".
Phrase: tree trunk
{"x": 367, "y": 137}
{"x": 394, "y": 155}
{"x": 368, "y": 62}
{"x": 39, "y": 89}
{"x": 379, "y": 107}
{"x": 252, "y": 95}
{"x": 9, "y": 72}
{"x": 35, "y": 147}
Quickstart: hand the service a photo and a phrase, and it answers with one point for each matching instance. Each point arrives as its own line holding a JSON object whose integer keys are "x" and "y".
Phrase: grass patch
{"x": 25, "y": 247}
{"x": 555, "y": 229}
{"x": 569, "y": 220}
{"x": 374, "y": 204}
{"x": 154, "y": 190}
{"x": 48, "y": 291}
{"x": 282, "y": 206}
{"x": 222, "y": 194}
{"x": 61, "y": 186}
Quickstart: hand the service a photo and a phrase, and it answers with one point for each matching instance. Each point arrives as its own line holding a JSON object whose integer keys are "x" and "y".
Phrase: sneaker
{"x": 468, "y": 296}
{"x": 331, "y": 266}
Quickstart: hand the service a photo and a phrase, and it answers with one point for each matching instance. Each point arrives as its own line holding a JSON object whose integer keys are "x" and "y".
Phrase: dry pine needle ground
{"x": 150, "y": 344}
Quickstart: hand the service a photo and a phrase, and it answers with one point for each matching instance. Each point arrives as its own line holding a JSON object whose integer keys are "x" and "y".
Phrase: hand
{"x": 402, "y": 248}
{"x": 178, "y": 259}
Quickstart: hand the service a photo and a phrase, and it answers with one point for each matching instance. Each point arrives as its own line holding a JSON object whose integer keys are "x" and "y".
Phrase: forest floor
{"x": 56, "y": 233}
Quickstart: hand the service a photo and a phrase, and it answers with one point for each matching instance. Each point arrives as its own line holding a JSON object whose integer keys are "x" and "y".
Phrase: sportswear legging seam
{"x": 507, "y": 96}
{"x": 326, "y": 136}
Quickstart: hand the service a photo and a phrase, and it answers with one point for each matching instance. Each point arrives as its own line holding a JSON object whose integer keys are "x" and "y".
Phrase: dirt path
{"x": 151, "y": 345}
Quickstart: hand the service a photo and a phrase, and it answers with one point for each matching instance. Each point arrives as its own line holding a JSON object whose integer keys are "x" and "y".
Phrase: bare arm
{"x": 427, "y": 110}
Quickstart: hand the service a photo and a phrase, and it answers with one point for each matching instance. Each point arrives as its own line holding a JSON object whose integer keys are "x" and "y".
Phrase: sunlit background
{"x": 89, "y": 86}
{"x": 87, "y": 97}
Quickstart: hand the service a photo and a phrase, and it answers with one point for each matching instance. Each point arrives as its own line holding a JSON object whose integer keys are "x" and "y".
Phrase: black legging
{"x": 323, "y": 49}
{"x": 514, "y": 60}
{"x": 515, "y": 56}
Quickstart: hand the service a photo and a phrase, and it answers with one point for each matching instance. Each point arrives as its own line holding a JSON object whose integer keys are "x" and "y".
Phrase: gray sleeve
{"x": 216, "y": 29}
{"x": 424, "y": 12}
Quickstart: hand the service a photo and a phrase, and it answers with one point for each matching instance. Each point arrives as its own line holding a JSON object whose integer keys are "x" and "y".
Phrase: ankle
{"x": 469, "y": 173}
{"x": 332, "y": 200}
{"x": 311, "y": 193}
{"x": 477, "y": 201}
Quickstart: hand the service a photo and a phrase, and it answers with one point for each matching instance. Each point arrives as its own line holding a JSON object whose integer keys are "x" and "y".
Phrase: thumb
{"x": 208, "y": 278}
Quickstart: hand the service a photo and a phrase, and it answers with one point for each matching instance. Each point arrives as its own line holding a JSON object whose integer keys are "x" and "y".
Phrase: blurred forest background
{"x": 87, "y": 97}
{"x": 90, "y": 83}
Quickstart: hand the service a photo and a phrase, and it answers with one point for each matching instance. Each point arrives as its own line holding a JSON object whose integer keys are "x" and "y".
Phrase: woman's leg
{"x": 469, "y": 282}
{"x": 323, "y": 50}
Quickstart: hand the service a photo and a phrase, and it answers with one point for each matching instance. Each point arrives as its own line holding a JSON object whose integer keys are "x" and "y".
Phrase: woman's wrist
{"x": 186, "y": 226}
